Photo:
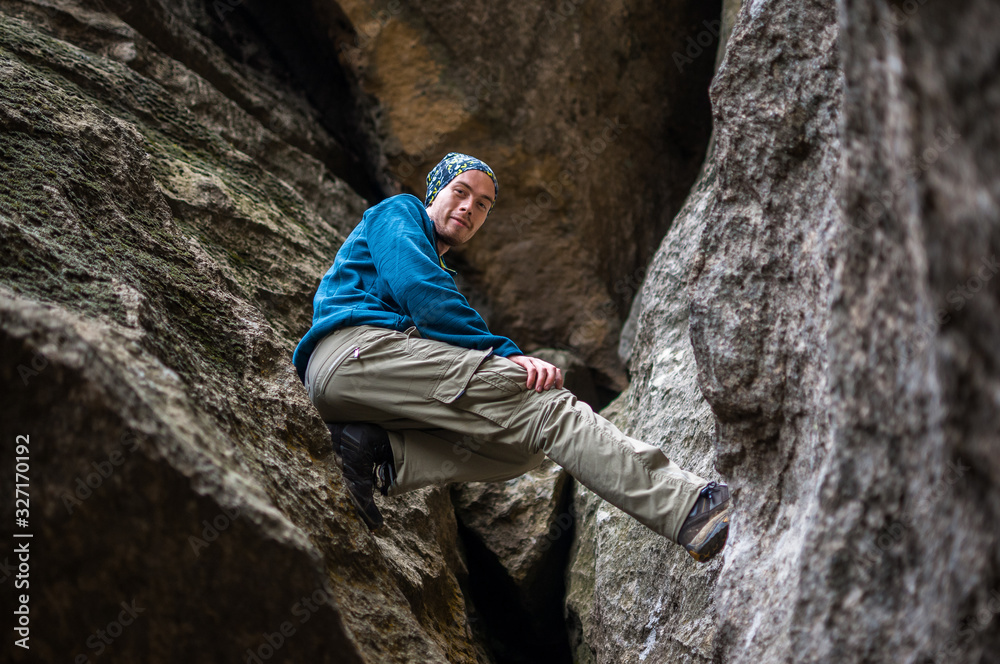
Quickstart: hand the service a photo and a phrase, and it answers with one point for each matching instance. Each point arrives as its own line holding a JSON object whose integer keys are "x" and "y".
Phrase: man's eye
{"x": 482, "y": 206}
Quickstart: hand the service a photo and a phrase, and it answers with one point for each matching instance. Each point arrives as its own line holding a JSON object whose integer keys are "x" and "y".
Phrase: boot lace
{"x": 385, "y": 477}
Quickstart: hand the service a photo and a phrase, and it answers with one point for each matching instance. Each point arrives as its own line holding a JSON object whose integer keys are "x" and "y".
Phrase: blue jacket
{"x": 388, "y": 274}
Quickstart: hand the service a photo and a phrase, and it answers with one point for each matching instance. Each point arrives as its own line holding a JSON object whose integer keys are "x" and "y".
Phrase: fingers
{"x": 537, "y": 375}
{"x": 541, "y": 375}
{"x": 532, "y": 374}
{"x": 546, "y": 376}
{"x": 551, "y": 376}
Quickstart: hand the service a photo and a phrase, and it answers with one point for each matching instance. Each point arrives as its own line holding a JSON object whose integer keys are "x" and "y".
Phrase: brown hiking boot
{"x": 368, "y": 463}
{"x": 706, "y": 528}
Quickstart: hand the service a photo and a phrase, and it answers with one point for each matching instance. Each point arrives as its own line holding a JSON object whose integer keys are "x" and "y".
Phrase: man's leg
{"x": 424, "y": 455}
{"x": 395, "y": 380}
{"x": 437, "y": 456}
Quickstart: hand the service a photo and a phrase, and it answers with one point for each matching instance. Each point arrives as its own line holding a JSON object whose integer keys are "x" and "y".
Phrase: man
{"x": 417, "y": 390}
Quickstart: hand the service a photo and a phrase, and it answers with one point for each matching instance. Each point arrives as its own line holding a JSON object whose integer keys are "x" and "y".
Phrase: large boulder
{"x": 632, "y": 595}
{"x": 161, "y": 247}
{"x": 843, "y": 316}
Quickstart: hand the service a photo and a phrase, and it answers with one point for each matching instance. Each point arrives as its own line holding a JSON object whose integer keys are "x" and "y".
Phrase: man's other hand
{"x": 541, "y": 375}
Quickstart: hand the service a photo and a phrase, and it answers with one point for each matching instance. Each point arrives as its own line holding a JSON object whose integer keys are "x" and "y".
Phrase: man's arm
{"x": 407, "y": 261}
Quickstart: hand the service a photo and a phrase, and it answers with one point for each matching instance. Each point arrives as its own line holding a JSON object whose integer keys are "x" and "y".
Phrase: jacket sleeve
{"x": 407, "y": 260}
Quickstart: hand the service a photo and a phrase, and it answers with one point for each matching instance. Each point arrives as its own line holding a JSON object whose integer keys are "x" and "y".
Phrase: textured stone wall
{"x": 819, "y": 327}
{"x": 843, "y": 317}
{"x": 913, "y": 493}
{"x": 162, "y": 238}
{"x": 759, "y": 305}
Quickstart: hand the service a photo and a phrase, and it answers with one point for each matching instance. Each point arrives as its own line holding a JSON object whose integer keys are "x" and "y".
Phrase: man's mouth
{"x": 462, "y": 221}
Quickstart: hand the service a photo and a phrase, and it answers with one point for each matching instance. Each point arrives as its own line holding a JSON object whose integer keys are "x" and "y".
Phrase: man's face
{"x": 460, "y": 208}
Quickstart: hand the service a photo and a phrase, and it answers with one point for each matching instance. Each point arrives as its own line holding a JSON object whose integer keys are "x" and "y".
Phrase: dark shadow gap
{"x": 526, "y": 626}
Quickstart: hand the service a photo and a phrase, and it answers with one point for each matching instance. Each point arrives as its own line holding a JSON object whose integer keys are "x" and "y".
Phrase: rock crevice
{"x": 816, "y": 322}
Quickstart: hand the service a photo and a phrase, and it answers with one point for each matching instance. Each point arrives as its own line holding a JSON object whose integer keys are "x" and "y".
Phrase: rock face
{"x": 818, "y": 328}
{"x": 844, "y": 318}
{"x": 161, "y": 247}
{"x": 633, "y": 596}
{"x": 912, "y": 488}
{"x": 760, "y": 308}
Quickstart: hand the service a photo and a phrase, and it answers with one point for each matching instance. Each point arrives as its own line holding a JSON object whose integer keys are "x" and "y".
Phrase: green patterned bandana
{"x": 449, "y": 167}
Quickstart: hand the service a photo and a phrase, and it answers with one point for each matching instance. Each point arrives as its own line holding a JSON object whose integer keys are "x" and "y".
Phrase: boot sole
{"x": 716, "y": 533}
{"x": 372, "y": 525}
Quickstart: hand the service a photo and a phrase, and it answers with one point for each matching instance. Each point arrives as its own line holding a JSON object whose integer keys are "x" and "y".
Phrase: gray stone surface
{"x": 760, "y": 311}
{"x": 819, "y": 328}
{"x": 631, "y": 595}
{"x": 160, "y": 253}
{"x": 910, "y": 486}
{"x": 844, "y": 320}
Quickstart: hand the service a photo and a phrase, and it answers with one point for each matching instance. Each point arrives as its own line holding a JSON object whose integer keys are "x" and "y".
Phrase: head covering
{"x": 449, "y": 167}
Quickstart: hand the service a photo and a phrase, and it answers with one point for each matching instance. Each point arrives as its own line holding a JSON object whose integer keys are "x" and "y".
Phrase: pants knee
{"x": 553, "y": 415}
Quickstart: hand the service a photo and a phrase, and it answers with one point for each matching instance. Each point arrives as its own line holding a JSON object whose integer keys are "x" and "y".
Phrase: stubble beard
{"x": 449, "y": 239}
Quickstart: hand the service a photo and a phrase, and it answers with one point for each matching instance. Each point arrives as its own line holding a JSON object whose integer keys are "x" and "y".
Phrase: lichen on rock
{"x": 814, "y": 321}
{"x": 154, "y": 281}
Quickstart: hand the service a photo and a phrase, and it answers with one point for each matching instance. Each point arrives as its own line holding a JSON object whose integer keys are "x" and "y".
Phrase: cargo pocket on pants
{"x": 486, "y": 391}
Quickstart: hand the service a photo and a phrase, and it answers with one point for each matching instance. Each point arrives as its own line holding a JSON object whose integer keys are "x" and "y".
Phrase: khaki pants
{"x": 456, "y": 415}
